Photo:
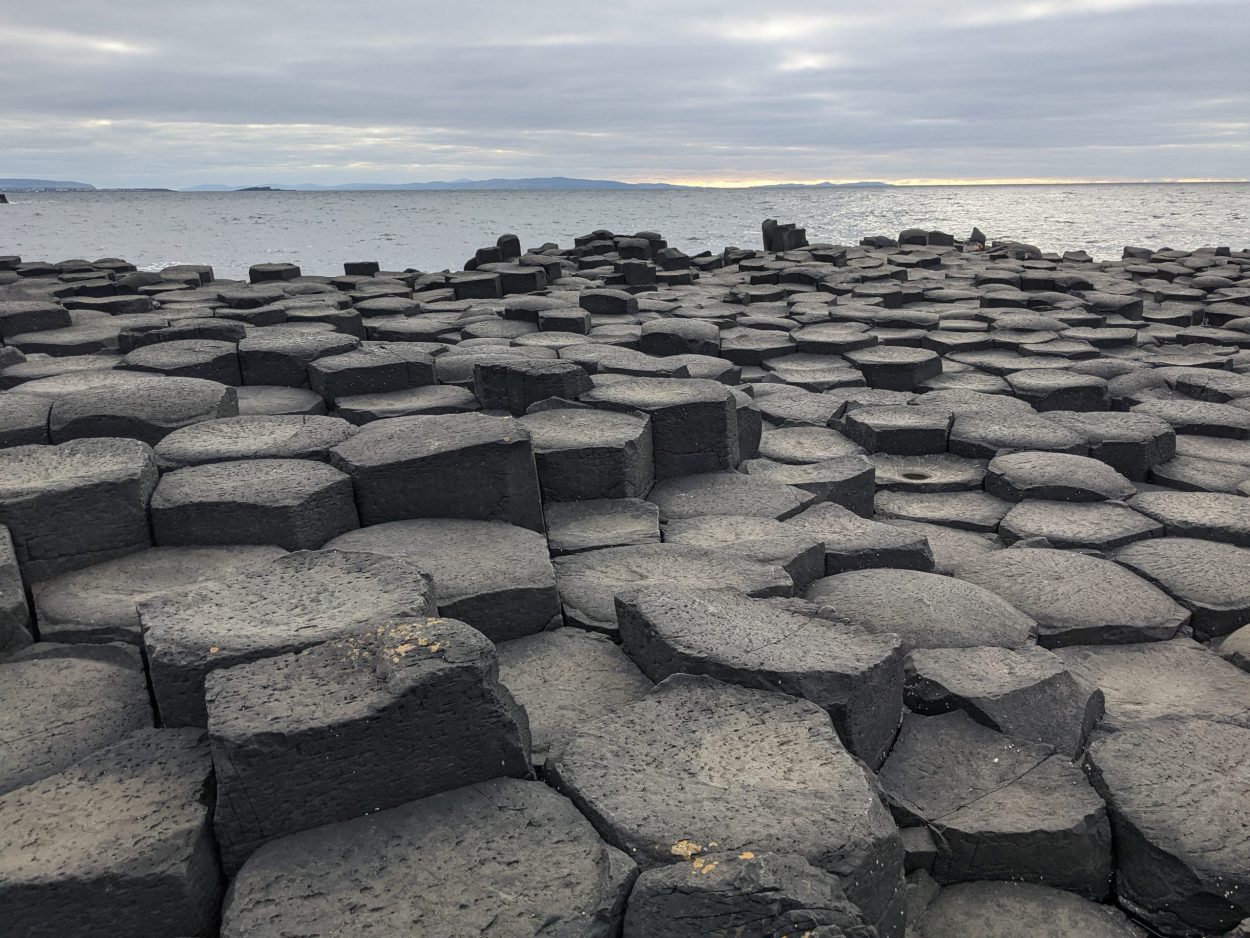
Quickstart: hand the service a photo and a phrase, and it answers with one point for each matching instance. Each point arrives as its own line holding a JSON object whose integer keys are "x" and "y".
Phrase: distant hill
{"x": 544, "y": 182}
{"x": 827, "y": 185}
{"x": 43, "y": 185}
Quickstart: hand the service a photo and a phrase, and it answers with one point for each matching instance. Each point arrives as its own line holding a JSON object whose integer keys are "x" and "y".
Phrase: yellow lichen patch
{"x": 746, "y": 855}
{"x": 435, "y": 647}
{"x": 404, "y": 648}
{"x": 213, "y": 649}
{"x": 423, "y": 642}
{"x": 708, "y": 868}
{"x": 685, "y": 849}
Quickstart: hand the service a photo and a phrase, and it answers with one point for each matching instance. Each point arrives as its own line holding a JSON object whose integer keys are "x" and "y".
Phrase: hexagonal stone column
{"x": 297, "y": 504}
{"x": 292, "y": 603}
{"x": 694, "y": 422}
{"x": 504, "y": 857}
{"x": 449, "y": 466}
{"x": 119, "y": 843}
{"x": 715, "y": 767}
{"x": 73, "y": 505}
{"x": 417, "y": 709}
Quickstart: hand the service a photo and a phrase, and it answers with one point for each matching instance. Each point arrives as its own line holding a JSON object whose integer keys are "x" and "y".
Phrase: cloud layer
{"x": 313, "y": 91}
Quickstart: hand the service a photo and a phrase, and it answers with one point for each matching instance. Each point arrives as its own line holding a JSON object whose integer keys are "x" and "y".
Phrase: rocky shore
{"x": 891, "y": 589}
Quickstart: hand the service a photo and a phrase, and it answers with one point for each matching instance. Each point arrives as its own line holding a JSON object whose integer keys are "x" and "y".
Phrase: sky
{"x": 160, "y": 93}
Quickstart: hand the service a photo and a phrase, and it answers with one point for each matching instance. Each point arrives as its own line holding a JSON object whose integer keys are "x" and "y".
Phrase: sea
{"x": 437, "y": 230}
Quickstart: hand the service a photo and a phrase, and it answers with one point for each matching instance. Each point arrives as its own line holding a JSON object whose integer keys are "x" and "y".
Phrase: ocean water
{"x": 436, "y": 230}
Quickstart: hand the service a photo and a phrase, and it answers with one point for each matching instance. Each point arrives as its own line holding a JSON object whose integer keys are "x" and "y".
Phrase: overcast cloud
{"x": 140, "y": 92}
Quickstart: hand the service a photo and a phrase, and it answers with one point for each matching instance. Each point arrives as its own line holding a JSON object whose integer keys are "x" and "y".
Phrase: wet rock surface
{"x": 772, "y": 574}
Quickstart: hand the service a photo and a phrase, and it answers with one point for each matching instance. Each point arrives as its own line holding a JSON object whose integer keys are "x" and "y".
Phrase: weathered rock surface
{"x": 59, "y": 703}
{"x": 496, "y": 577}
{"x": 999, "y": 808}
{"x": 854, "y": 674}
{"x": 708, "y": 775}
{"x": 383, "y": 716}
{"x": 518, "y": 859}
{"x": 1178, "y": 791}
{"x": 292, "y": 603}
{"x": 119, "y": 843}
{"x": 1075, "y": 599}
{"x": 566, "y": 679}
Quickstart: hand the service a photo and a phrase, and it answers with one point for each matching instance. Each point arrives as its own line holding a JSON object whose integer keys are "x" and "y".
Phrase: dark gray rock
{"x": 1129, "y": 443}
{"x": 984, "y": 437}
{"x": 504, "y": 858}
{"x": 1020, "y": 910}
{"x": 906, "y": 431}
{"x": 727, "y": 493}
{"x": 57, "y": 707}
{"x": 268, "y": 400}
{"x": 928, "y": 473}
{"x": 252, "y": 437}
{"x": 297, "y": 504}
{"x": 585, "y": 453}
{"x": 465, "y": 466}
{"x": 1212, "y": 516}
{"x": 145, "y": 408}
{"x": 77, "y": 504}
{"x": 971, "y": 511}
{"x": 694, "y": 422}
{"x": 800, "y": 445}
{"x": 374, "y": 368}
{"x": 515, "y": 385}
{"x": 1177, "y": 790}
{"x": 999, "y": 808}
{"x": 589, "y": 581}
{"x": 1161, "y": 679}
{"x": 566, "y": 679}
{"x": 759, "y": 539}
{"x": 1210, "y": 579}
{"x": 951, "y": 547}
{"x": 281, "y": 356}
{"x": 925, "y": 610}
{"x": 896, "y": 368}
{"x": 1077, "y": 599}
{"x": 573, "y": 527}
{"x": 120, "y": 843}
{"x": 292, "y": 603}
{"x": 848, "y": 481}
{"x": 209, "y": 359}
{"x": 15, "y": 619}
{"x": 424, "y": 401}
{"x": 496, "y": 577}
{"x": 1097, "y": 526}
{"x": 1025, "y": 692}
{"x": 101, "y": 602}
{"x": 715, "y": 767}
{"x": 380, "y": 717}
{"x": 854, "y": 674}
{"x": 23, "y": 419}
{"x": 746, "y": 895}
{"x": 1055, "y": 476}
{"x": 855, "y": 543}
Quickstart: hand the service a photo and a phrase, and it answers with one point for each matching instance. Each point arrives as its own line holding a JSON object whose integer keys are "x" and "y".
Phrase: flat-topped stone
{"x": 1076, "y": 599}
{"x": 383, "y": 716}
{"x": 119, "y": 843}
{"x": 101, "y": 603}
{"x": 57, "y": 706}
{"x": 295, "y": 601}
{"x": 589, "y": 581}
{"x": 514, "y": 855}
{"x": 566, "y": 679}
{"x": 716, "y": 766}
{"x": 497, "y": 577}
{"x": 464, "y": 465}
{"x": 76, "y": 504}
{"x": 253, "y": 437}
{"x": 854, "y": 674}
